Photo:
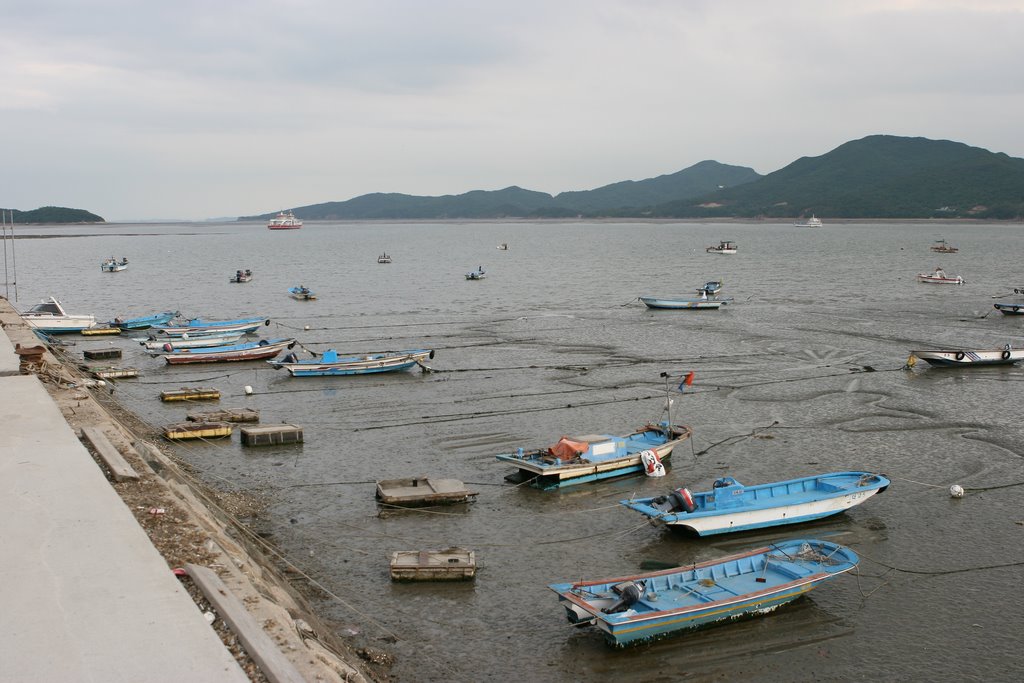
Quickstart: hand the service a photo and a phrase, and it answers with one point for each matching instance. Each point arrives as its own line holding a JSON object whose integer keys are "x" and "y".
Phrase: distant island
{"x": 53, "y": 214}
{"x": 879, "y": 176}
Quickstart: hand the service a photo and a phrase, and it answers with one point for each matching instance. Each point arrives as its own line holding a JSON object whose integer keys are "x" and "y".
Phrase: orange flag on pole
{"x": 687, "y": 381}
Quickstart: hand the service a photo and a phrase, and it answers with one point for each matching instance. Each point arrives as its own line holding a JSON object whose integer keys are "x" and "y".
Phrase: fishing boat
{"x": 329, "y": 363}
{"x": 49, "y": 316}
{"x": 939, "y": 277}
{"x": 301, "y": 293}
{"x": 285, "y": 220}
{"x": 112, "y": 265}
{"x": 943, "y": 247}
{"x": 731, "y": 506}
{"x": 503, "y": 246}
{"x": 812, "y": 222}
{"x": 702, "y": 303}
{"x": 477, "y": 274}
{"x": 710, "y": 287}
{"x": 580, "y": 459}
{"x": 642, "y": 607}
{"x": 144, "y": 321}
{"x": 384, "y": 258}
{"x": 196, "y": 327}
{"x": 261, "y": 350}
{"x": 241, "y": 276}
{"x": 200, "y": 342}
{"x": 1015, "y": 308}
{"x": 961, "y": 357}
{"x": 724, "y": 247}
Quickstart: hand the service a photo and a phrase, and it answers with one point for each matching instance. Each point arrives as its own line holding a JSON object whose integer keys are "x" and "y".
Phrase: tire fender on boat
{"x": 959, "y": 355}
{"x": 1016, "y": 309}
{"x": 1006, "y": 354}
{"x": 682, "y": 499}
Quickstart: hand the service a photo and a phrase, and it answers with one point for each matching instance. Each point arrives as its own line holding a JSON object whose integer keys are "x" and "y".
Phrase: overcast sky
{"x": 209, "y": 108}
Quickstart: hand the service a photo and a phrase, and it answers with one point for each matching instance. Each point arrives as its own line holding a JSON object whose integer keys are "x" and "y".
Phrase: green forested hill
{"x": 515, "y": 202}
{"x": 55, "y": 214}
{"x": 880, "y": 176}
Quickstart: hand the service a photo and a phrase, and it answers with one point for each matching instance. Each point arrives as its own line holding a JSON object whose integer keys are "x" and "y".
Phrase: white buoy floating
{"x": 248, "y": 390}
{"x": 306, "y": 328}
{"x": 956, "y": 491}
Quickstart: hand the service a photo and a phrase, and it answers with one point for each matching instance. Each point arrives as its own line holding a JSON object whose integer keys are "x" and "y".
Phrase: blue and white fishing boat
{"x": 198, "y": 342}
{"x": 257, "y": 350}
{"x": 731, "y": 506}
{"x": 642, "y": 607}
{"x": 329, "y": 363}
{"x": 1014, "y": 308}
{"x": 112, "y": 265}
{"x": 196, "y": 327}
{"x": 302, "y": 293}
{"x": 580, "y": 459}
{"x": 50, "y": 317}
{"x": 143, "y": 322}
{"x": 477, "y": 274}
{"x": 958, "y": 358}
{"x": 701, "y": 303}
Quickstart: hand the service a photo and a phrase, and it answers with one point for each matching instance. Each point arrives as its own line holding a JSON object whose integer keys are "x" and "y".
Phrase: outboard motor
{"x": 682, "y": 500}
{"x": 628, "y": 592}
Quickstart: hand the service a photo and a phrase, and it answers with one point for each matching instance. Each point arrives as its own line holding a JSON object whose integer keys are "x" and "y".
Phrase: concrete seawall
{"x": 87, "y": 594}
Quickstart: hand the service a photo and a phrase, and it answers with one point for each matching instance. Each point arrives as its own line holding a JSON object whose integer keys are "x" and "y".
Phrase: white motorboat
{"x": 50, "y": 316}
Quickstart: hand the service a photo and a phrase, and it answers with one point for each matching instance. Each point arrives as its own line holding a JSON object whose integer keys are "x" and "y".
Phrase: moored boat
{"x": 241, "y": 276}
{"x": 285, "y": 220}
{"x": 711, "y": 287}
{"x": 144, "y": 321}
{"x": 1007, "y": 355}
{"x": 943, "y": 247}
{"x": 196, "y": 327}
{"x": 731, "y": 506}
{"x": 812, "y": 222}
{"x": 477, "y": 274}
{"x": 112, "y": 265}
{"x": 580, "y": 459}
{"x": 49, "y": 316}
{"x": 1014, "y": 308}
{"x": 197, "y": 430}
{"x": 263, "y": 349}
{"x": 724, "y": 247}
{"x": 329, "y": 363}
{"x": 384, "y": 258}
{"x": 302, "y": 293}
{"x": 642, "y": 607}
{"x": 198, "y": 342}
{"x": 939, "y": 277}
{"x": 702, "y": 303}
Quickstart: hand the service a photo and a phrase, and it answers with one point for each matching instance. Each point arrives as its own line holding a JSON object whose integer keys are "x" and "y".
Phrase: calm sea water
{"x": 553, "y": 342}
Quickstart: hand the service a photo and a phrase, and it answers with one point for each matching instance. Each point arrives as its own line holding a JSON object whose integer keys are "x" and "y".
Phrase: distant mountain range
{"x": 880, "y": 176}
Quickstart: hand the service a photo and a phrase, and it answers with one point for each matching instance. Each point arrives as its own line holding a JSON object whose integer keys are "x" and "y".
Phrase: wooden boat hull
{"x": 966, "y": 357}
{"x": 356, "y": 365}
{"x": 678, "y": 600}
{"x": 197, "y": 430}
{"x": 547, "y": 472}
{"x": 683, "y": 304}
{"x": 223, "y": 354}
{"x": 732, "y": 507}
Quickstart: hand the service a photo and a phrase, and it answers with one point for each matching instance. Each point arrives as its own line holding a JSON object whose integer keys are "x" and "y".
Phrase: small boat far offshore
{"x": 285, "y": 220}
{"x": 724, "y": 247}
{"x": 643, "y": 607}
{"x": 112, "y": 265}
{"x": 302, "y": 293}
{"x": 730, "y": 506}
{"x": 939, "y": 277}
{"x": 477, "y": 274}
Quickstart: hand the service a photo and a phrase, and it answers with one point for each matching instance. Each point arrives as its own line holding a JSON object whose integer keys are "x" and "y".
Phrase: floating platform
{"x": 99, "y": 354}
{"x": 187, "y": 394}
{"x": 237, "y": 415}
{"x": 112, "y": 372}
{"x": 198, "y": 430}
{"x": 95, "y": 331}
{"x": 421, "y": 491}
{"x": 453, "y": 564}
{"x": 271, "y": 435}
